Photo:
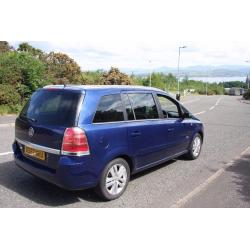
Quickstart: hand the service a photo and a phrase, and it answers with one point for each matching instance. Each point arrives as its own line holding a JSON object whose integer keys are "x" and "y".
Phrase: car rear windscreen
{"x": 52, "y": 107}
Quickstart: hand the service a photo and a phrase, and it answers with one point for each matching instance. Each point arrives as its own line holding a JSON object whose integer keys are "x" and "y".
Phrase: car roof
{"x": 103, "y": 87}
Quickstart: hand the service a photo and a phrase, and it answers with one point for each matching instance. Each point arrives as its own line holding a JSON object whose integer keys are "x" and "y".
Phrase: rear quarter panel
{"x": 106, "y": 140}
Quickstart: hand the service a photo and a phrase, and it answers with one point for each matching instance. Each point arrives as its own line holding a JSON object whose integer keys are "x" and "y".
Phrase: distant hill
{"x": 197, "y": 70}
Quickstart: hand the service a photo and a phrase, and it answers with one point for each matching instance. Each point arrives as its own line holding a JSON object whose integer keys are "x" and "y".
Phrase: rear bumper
{"x": 71, "y": 173}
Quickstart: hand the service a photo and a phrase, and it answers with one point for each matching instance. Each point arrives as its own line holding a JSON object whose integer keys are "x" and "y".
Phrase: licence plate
{"x": 34, "y": 153}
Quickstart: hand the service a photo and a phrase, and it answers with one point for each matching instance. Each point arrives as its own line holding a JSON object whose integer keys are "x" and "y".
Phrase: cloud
{"x": 137, "y": 54}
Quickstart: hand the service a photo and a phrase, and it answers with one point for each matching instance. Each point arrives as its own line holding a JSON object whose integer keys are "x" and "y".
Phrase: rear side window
{"x": 110, "y": 109}
{"x": 52, "y": 107}
{"x": 144, "y": 106}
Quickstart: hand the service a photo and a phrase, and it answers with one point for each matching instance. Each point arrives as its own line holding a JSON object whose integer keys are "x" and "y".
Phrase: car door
{"x": 144, "y": 128}
{"x": 175, "y": 130}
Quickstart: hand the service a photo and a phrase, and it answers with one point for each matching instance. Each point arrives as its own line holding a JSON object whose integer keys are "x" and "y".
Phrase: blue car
{"x": 80, "y": 137}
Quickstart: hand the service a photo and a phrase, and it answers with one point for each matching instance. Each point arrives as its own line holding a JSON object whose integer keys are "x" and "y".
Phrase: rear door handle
{"x": 170, "y": 129}
{"x": 135, "y": 133}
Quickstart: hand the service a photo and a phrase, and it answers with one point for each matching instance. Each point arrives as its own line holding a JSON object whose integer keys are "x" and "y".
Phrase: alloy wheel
{"x": 196, "y": 146}
{"x": 116, "y": 179}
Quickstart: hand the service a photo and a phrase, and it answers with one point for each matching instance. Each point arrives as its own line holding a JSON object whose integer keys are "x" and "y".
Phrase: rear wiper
{"x": 29, "y": 118}
{"x": 32, "y": 119}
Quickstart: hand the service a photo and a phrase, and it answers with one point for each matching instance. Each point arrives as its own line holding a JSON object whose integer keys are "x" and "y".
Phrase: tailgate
{"x": 40, "y": 127}
{"x": 44, "y": 139}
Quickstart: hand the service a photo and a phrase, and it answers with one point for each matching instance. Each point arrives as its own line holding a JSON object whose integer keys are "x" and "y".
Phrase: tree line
{"x": 25, "y": 68}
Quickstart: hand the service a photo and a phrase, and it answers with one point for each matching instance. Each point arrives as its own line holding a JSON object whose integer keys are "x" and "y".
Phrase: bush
{"x": 247, "y": 95}
{"x": 115, "y": 77}
{"x": 13, "y": 109}
{"x": 22, "y": 68}
{"x": 8, "y": 95}
{"x": 4, "y": 109}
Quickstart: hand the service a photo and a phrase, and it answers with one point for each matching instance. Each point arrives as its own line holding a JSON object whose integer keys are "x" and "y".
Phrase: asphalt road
{"x": 213, "y": 180}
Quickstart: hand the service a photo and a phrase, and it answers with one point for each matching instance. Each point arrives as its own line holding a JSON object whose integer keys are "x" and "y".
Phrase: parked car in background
{"x": 236, "y": 91}
{"x": 80, "y": 137}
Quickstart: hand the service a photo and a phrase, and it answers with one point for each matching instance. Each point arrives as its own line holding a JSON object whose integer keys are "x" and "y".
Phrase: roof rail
{"x": 54, "y": 86}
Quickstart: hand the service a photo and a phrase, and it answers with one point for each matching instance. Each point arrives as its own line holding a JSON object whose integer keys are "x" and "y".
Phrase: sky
{"x": 129, "y": 33}
{"x": 146, "y": 55}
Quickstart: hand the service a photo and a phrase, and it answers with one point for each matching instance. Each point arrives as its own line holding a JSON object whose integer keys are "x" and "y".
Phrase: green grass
{"x": 13, "y": 109}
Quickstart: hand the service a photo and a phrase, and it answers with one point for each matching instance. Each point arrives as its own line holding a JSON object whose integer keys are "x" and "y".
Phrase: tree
{"x": 232, "y": 84}
{"x": 160, "y": 80}
{"x": 185, "y": 79}
{"x": 171, "y": 82}
{"x": 24, "y": 72}
{"x": 115, "y": 77}
{"x": 91, "y": 77}
{"x": 5, "y": 47}
{"x": 62, "y": 68}
{"x": 246, "y": 95}
{"x": 25, "y": 47}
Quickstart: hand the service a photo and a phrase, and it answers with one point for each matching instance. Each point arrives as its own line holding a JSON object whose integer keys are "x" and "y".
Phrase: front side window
{"x": 110, "y": 109}
{"x": 184, "y": 110}
{"x": 128, "y": 107}
{"x": 144, "y": 106}
{"x": 169, "y": 108}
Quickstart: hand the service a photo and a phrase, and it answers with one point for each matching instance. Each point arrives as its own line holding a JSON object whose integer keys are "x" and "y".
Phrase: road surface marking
{"x": 211, "y": 108}
{"x": 199, "y": 113}
{"x": 191, "y": 101}
{"x": 217, "y": 103}
{"x": 5, "y": 125}
{"x": 205, "y": 184}
{"x": 6, "y": 153}
{"x": 197, "y": 190}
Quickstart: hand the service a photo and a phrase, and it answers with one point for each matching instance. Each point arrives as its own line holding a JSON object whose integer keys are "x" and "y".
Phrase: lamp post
{"x": 247, "y": 61}
{"x": 206, "y": 84}
{"x": 150, "y": 75}
{"x": 178, "y": 75}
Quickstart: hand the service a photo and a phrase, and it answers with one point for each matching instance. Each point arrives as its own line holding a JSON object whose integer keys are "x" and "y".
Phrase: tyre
{"x": 195, "y": 147}
{"x": 114, "y": 179}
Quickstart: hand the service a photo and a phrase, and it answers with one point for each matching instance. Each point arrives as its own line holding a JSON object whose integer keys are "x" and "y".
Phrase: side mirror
{"x": 178, "y": 97}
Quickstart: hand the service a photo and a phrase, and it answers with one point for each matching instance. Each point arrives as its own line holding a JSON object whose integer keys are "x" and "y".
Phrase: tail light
{"x": 75, "y": 142}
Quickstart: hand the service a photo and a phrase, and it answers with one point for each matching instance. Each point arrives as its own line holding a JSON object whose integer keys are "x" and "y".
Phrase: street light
{"x": 247, "y": 61}
{"x": 206, "y": 82}
{"x": 178, "y": 76}
{"x": 150, "y": 75}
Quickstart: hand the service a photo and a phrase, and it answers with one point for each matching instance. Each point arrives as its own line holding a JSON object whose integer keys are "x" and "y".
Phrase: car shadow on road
{"x": 151, "y": 170}
{"x": 46, "y": 194}
{"x": 240, "y": 174}
{"x": 39, "y": 191}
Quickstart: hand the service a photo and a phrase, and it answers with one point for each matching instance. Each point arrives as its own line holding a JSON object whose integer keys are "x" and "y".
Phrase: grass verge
{"x": 13, "y": 109}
